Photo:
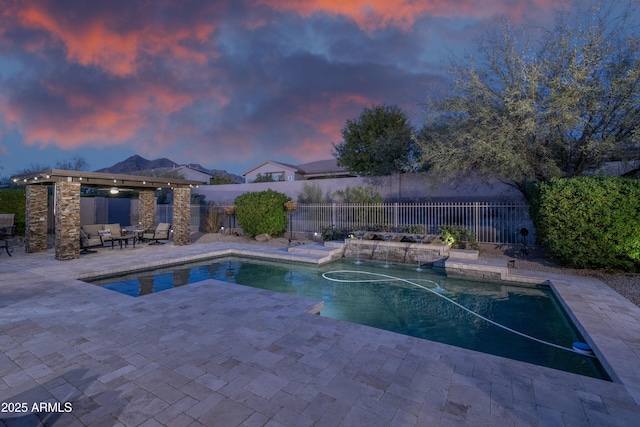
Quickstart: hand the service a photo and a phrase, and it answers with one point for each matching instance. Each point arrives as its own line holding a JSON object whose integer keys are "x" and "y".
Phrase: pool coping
{"x": 609, "y": 322}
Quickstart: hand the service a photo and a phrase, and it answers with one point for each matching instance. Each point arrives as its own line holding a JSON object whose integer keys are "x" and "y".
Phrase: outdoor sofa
{"x": 96, "y": 235}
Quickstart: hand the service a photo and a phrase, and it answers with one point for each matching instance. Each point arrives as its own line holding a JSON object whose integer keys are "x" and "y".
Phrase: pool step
{"x": 316, "y": 249}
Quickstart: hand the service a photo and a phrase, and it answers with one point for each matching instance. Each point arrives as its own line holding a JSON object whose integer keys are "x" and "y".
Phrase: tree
{"x": 219, "y": 178}
{"x": 267, "y": 177}
{"x": 529, "y": 109}
{"x": 312, "y": 194}
{"x": 379, "y": 142}
{"x": 76, "y": 163}
{"x": 33, "y": 167}
{"x": 359, "y": 195}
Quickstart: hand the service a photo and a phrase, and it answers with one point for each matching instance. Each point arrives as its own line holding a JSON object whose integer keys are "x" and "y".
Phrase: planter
{"x": 291, "y": 205}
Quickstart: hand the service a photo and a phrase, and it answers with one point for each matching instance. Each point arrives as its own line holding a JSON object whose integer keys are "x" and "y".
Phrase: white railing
{"x": 491, "y": 222}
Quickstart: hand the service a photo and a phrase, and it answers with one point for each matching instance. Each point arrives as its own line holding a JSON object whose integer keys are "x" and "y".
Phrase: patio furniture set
{"x": 7, "y": 231}
{"x": 98, "y": 235}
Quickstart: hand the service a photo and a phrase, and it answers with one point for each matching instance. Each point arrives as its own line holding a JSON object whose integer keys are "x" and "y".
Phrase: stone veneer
{"x": 36, "y": 218}
{"x": 181, "y": 216}
{"x": 395, "y": 252}
{"x": 147, "y": 209}
{"x": 67, "y": 213}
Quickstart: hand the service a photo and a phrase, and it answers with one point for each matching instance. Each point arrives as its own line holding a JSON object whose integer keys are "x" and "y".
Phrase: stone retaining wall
{"x": 394, "y": 252}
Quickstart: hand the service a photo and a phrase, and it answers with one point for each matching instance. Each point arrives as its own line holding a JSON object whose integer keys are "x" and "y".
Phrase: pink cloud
{"x": 98, "y": 41}
{"x": 86, "y": 121}
{"x": 379, "y": 14}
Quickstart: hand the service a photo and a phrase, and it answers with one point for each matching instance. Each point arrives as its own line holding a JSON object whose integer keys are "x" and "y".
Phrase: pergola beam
{"x": 100, "y": 179}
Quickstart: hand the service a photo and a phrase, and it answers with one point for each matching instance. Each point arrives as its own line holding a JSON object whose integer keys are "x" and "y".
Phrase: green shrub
{"x": 14, "y": 201}
{"x": 312, "y": 194}
{"x": 458, "y": 237}
{"x": 590, "y": 222}
{"x": 359, "y": 195}
{"x": 261, "y": 212}
{"x": 333, "y": 233}
{"x": 412, "y": 229}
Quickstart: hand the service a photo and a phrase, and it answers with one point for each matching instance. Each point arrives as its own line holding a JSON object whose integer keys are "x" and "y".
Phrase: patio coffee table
{"x": 124, "y": 239}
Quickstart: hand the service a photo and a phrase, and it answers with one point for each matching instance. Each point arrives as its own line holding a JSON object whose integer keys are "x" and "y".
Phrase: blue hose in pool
{"x": 438, "y": 291}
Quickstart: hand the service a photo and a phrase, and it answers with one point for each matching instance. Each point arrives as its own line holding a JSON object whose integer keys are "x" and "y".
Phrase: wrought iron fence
{"x": 491, "y": 222}
{"x": 164, "y": 213}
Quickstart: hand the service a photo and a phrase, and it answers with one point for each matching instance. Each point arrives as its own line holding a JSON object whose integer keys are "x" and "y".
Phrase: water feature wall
{"x": 395, "y": 251}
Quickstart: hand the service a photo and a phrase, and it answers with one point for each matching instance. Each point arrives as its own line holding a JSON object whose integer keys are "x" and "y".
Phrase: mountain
{"x": 136, "y": 164}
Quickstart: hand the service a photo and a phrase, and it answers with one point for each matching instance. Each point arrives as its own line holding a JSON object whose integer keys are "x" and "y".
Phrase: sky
{"x": 226, "y": 84}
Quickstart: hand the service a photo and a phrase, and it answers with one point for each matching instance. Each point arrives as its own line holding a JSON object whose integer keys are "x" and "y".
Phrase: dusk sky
{"x": 227, "y": 84}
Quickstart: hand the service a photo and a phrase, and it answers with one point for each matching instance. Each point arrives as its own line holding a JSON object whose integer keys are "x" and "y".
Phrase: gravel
{"x": 627, "y": 285}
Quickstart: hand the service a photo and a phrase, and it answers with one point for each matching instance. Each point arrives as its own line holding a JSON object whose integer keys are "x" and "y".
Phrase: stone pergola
{"x": 67, "y": 184}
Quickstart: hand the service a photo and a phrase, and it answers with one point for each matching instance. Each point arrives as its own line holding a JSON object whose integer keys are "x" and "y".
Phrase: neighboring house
{"x": 277, "y": 171}
{"x": 192, "y": 173}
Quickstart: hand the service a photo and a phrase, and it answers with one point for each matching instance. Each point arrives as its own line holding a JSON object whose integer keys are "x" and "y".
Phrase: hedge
{"x": 590, "y": 222}
{"x": 13, "y": 201}
{"x": 262, "y": 212}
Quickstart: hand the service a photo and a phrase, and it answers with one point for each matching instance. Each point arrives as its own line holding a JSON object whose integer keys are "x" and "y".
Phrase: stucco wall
{"x": 395, "y": 188}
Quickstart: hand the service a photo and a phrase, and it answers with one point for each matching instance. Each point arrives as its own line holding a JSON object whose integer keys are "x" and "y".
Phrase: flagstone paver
{"x": 214, "y": 353}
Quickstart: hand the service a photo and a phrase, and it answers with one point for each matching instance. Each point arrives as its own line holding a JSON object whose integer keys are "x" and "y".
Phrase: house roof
{"x": 317, "y": 168}
{"x": 284, "y": 165}
{"x": 202, "y": 172}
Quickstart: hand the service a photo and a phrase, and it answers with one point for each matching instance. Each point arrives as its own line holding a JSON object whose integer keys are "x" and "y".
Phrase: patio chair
{"x": 88, "y": 241}
{"x": 7, "y": 231}
{"x": 160, "y": 233}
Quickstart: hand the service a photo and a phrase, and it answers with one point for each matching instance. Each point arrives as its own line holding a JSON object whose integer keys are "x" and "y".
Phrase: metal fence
{"x": 491, "y": 222}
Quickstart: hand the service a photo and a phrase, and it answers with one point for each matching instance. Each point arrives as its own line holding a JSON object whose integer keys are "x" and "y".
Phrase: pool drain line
{"x": 437, "y": 292}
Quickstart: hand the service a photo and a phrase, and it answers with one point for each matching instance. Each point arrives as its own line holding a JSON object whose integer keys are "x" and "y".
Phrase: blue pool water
{"x": 403, "y": 300}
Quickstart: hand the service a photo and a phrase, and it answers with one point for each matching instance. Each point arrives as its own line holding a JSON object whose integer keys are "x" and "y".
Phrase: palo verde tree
{"x": 531, "y": 104}
{"x": 379, "y": 142}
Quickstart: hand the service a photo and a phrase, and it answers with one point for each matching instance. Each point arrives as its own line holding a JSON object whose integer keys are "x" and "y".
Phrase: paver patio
{"x": 218, "y": 354}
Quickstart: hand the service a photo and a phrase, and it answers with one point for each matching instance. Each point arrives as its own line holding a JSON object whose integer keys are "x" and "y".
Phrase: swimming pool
{"x": 466, "y": 313}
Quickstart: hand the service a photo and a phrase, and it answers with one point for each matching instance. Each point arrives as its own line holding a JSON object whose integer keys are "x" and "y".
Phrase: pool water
{"x": 403, "y": 300}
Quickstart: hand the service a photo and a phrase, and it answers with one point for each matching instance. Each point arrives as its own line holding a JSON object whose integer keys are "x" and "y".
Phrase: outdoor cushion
{"x": 160, "y": 233}
{"x": 92, "y": 229}
{"x": 87, "y": 242}
{"x": 114, "y": 228}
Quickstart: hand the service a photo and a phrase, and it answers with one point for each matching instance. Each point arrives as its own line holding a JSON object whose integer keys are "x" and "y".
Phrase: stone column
{"x": 181, "y": 216}
{"x": 147, "y": 209}
{"x": 36, "y": 218}
{"x": 67, "y": 212}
